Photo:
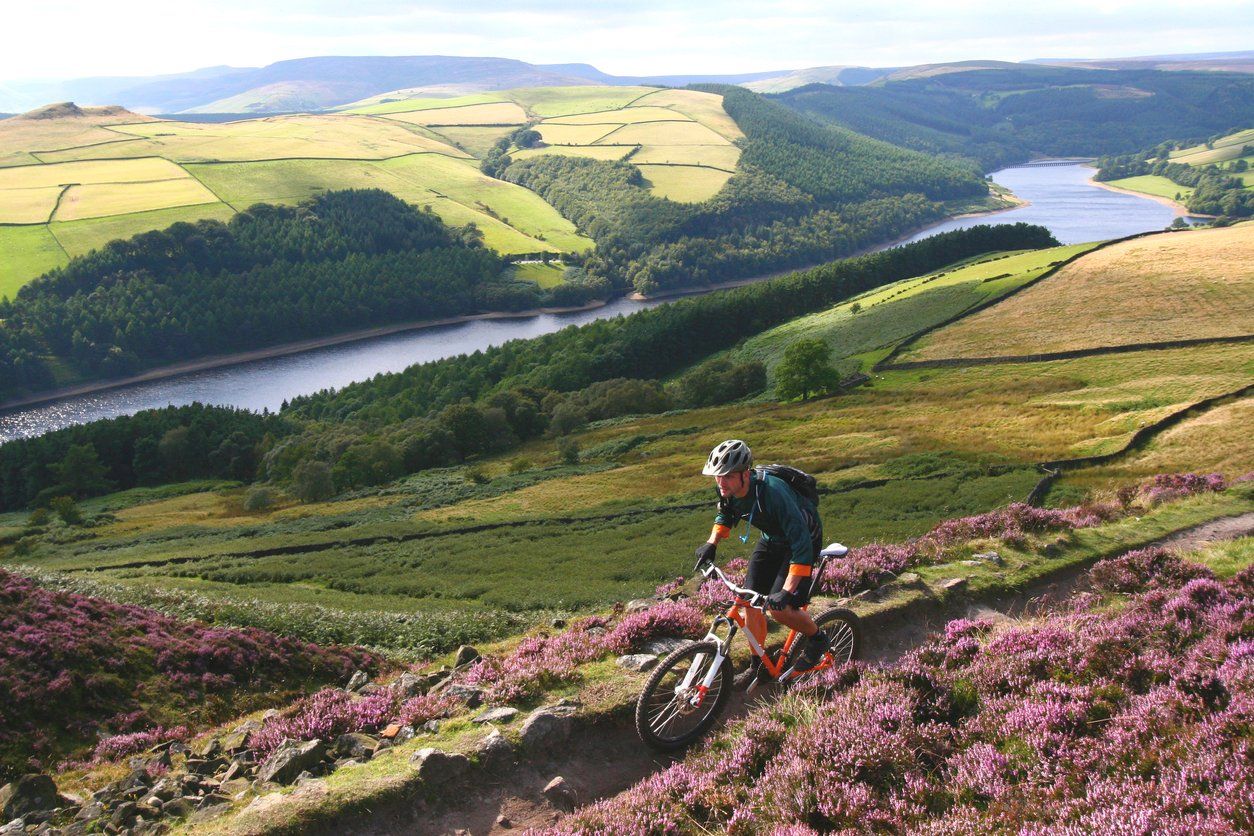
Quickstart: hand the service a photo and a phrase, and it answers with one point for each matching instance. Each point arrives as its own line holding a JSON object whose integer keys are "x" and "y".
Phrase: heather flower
{"x": 121, "y": 745}
{"x": 1167, "y": 486}
{"x": 1142, "y": 569}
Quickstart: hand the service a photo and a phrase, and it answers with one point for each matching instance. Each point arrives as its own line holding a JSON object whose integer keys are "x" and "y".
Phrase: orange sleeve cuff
{"x": 720, "y": 532}
{"x": 800, "y": 570}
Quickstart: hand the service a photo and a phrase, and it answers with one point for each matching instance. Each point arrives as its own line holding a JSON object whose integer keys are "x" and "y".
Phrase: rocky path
{"x": 603, "y": 760}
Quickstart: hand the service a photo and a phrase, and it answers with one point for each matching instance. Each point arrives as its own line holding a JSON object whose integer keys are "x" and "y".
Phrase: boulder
{"x": 237, "y": 741}
{"x": 436, "y": 767}
{"x": 954, "y": 585}
{"x": 472, "y": 697}
{"x": 640, "y": 604}
{"x": 909, "y": 578}
{"x": 357, "y": 681}
{"x": 662, "y": 647}
{"x": 90, "y": 811}
{"x": 560, "y": 794}
{"x": 391, "y": 732}
{"x": 291, "y": 759}
{"x": 546, "y": 727}
{"x": 504, "y": 822}
{"x": 356, "y": 745}
{"x": 13, "y": 827}
{"x": 465, "y": 655}
{"x": 409, "y": 685}
{"x": 637, "y": 661}
{"x": 124, "y": 814}
{"x": 495, "y": 749}
{"x": 28, "y": 794}
{"x": 990, "y": 557}
{"x": 234, "y": 787}
{"x": 205, "y": 749}
{"x": 179, "y": 807}
{"x": 500, "y": 714}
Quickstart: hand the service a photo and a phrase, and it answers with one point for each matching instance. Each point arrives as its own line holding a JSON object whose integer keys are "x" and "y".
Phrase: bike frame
{"x": 734, "y": 620}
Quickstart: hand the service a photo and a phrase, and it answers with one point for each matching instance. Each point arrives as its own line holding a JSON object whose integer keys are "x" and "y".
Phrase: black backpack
{"x": 800, "y": 481}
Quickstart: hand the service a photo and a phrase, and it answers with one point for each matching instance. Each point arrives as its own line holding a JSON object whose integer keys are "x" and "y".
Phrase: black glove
{"x": 781, "y": 600}
{"x": 705, "y": 554}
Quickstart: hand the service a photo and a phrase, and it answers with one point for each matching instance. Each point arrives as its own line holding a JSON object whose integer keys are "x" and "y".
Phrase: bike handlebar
{"x": 756, "y": 599}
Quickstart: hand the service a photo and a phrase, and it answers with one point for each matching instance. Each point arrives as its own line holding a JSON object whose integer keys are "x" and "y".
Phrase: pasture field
{"x": 622, "y": 116}
{"x": 1221, "y": 150}
{"x": 329, "y": 136}
{"x": 684, "y": 183}
{"x": 1155, "y": 185}
{"x": 566, "y": 101}
{"x": 662, "y": 133}
{"x": 713, "y": 156}
{"x": 95, "y": 200}
{"x": 28, "y": 206}
{"x": 496, "y": 113}
{"x": 476, "y": 141}
{"x": 706, "y": 108}
{"x": 574, "y": 134}
{"x": 400, "y": 103}
{"x": 82, "y": 173}
{"x": 79, "y": 237}
{"x": 28, "y": 252}
{"x": 595, "y": 152}
{"x": 545, "y": 275}
{"x": 1186, "y": 285}
{"x": 862, "y": 329}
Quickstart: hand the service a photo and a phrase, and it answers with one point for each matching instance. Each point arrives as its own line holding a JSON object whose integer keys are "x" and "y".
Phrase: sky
{"x": 58, "y": 39}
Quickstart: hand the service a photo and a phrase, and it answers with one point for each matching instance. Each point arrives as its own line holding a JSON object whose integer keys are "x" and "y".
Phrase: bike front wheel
{"x": 675, "y": 708}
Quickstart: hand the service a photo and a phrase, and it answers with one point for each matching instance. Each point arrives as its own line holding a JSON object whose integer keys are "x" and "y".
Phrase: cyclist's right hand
{"x": 705, "y": 554}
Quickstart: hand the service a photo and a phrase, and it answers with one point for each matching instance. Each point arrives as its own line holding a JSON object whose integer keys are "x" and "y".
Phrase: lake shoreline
{"x": 284, "y": 349}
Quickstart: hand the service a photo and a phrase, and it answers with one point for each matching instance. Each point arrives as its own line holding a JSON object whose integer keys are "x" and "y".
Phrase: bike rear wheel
{"x": 845, "y": 632}
{"x": 669, "y": 716}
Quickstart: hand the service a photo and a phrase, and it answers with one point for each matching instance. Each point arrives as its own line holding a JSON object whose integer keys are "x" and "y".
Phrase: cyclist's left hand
{"x": 781, "y": 600}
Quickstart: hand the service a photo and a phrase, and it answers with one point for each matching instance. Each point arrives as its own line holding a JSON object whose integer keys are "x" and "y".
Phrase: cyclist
{"x": 783, "y": 558}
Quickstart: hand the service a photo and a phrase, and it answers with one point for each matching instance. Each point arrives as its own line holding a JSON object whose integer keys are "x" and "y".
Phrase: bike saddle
{"x": 834, "y": 550}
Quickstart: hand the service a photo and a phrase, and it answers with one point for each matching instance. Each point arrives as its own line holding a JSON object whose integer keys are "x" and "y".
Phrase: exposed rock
{"x": 90, "y": 811}
{"x": 557, "y": 623}
{"x": 290, "y": 759}
{"x": 909, "y": 578}
{"x": 211, "y": 811}
{"x": 500, "y": 714}
{"x": 971, "y": 562}
{"x": 661, "y": 647}
{"x": 179, "y": 807}
{"x": 954, "y": 584}
{"x": 153, "y": 801}
{"x": 431, "y": 727}
{"x": 204, "y": 767}
{"x": 234, "y": 787}
{"x": 391, "y": 731}
{"x": 560, "y": 794}
{"x": 15, "y": 826}
{"x": 495, "y": 749}
{"x": 357, "y": 680}
{"x": 124, "y": 814}
{"x": 990, "y": 557}
{"x": 148, "y": 811}
{"x": 504, "y": 822}
{"x": 356, "y": 745}
{"x": 436, "y": 767}
{"x": 237, "y": 741}
{"x": 637, "y": 661}
{"x": 406, "y": 733}
{"x": 205, "y": 749}
{"x": 640, "y": 604}
{"x": 546, "y": 727}
{"x": 472, "y": 697}
{"x": 28, "y": 794}
{"x": 409, "y": 685}
{"x": 465, "y": 655}
{"x": 165, "y": 789}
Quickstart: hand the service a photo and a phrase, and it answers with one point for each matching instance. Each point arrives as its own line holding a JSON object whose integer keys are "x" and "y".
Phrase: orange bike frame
{"x": 775, "y": 666}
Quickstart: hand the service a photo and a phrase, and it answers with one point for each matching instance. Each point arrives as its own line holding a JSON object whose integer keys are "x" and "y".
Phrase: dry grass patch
{"x": 715, "y": 156}
{"x": 103, "y": 199}
{"x": 79, "y": 237}
{"x": 573, "y": 134}
{"x": 706, "y": 108}
{"x": 623, "y": 116}
{"x": 595, "y": 152}
{"x": 663, "y": 133}
{"x": 28, "y": 206}
{"x": 684, "y": 183}
{"x": 102, "y": 171}
{"x": 495, "y": 113}
{"x": 1167, "y": 287}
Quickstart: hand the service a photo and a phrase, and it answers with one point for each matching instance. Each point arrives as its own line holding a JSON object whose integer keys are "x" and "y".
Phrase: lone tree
{"x": 806, "y": 369}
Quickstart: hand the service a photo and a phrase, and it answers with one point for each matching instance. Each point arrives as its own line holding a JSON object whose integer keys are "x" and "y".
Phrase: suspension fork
{"x": 724, "y": 648}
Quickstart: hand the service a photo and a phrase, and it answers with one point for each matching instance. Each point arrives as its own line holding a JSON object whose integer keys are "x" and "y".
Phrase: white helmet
{"x": 728, "y": 457}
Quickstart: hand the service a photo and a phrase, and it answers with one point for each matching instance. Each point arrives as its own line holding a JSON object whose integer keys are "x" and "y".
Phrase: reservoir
{"x": 1058, "y": 197}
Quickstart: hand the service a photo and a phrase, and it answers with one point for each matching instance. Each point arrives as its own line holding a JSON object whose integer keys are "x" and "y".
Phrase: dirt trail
{"x": 606, "y": 759}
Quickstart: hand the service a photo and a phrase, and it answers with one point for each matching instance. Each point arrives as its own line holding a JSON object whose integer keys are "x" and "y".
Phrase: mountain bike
{"x": 689, "y": 688}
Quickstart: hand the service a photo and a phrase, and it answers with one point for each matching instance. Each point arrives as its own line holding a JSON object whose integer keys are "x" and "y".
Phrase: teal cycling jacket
{"x": 775, "y": 509}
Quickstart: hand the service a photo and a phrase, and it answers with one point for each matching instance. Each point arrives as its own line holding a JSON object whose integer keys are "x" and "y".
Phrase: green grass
{"x": 374, "y": 105}
{"x": 1153, "y": 184}
{"x": 1224, "y": 148}
{"x": 83, "y": 236}
{"x": 545, "y": 275}
{"x": 896, "y": 311}
{"x": 684, "y": 183}
{"x": 566, "y": 101}
{"x": 29, "y": 251}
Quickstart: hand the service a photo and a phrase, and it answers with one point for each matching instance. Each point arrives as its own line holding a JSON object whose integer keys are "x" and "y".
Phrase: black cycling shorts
{"x": 769, "y": 563}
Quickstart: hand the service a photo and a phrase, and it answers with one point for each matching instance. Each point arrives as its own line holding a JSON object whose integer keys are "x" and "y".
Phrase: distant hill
{"x": 1232, "y": 62}
{"x": 999, "y": 113}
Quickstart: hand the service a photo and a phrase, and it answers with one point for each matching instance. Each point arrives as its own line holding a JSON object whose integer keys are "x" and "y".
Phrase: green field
{"x": 79, "y": 237}
{"x": 28, "y": 252}
{"x": 496, "y": 113}
{"x": 1155, "y": 185}
{"x": 566, "y": 101}
{"x": 1221, "y": 150}
{"x": 401, "y": 104}
{"x": 684, "y": 183}
{"x": 474, "y": 141}
{"x": 545, "y": 275}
